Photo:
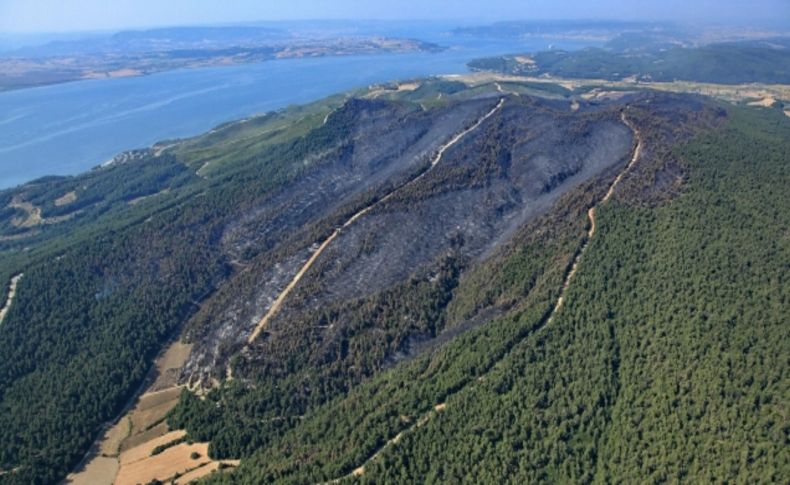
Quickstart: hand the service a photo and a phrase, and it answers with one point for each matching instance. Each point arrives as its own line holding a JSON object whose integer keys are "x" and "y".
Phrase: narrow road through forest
{"x": 11, "y": 295}
{"x": 359, "y": 471}
{"x": 591, "y": 217}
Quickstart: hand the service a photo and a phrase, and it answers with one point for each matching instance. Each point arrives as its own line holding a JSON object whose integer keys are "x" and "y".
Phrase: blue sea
{"x": 65, "y": 129}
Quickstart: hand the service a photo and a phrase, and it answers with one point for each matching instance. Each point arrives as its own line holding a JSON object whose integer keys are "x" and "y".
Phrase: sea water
{"x": 65, "y": 129}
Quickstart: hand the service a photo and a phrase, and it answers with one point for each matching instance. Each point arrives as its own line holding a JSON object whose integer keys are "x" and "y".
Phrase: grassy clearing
{"x": 66, "y": 199}
{"x": 142, "y": 429}
{"x": 211, "y": 153}
{"x": 163, "y": 466}
{"x": 144, "y": 451}
{"x": 32, "y": 214}
{"x": 138, "y": 439}
{"x": 100, "y": 471}
{"x": 198, "y": 473}
{"x": 152, "y": 409}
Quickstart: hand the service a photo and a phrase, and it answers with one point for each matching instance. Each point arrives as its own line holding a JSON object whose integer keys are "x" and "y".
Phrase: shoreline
{"x": 132, "y": 70}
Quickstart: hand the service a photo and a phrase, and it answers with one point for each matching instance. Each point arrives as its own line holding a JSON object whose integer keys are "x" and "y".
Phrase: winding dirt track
{"x": 278, "y": 302}
{"x": 591, "y": 217}
{"x": 11, "y": 295}
{"x": 359, "y": 471}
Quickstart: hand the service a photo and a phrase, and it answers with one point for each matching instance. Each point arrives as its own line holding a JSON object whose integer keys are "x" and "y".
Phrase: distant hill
{"x": 153, "y": 40}
{"x": 518, "y": 29}
{"x": 135, "y": 53}
{"x": 725, "y": 63}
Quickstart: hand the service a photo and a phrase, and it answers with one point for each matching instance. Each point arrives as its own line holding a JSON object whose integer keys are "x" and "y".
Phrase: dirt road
{"x": 11, "y": 295}
{"x": 591, "y": 217}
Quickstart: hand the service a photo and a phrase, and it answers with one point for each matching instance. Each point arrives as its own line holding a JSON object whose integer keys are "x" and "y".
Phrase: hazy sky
{"x": 69, "y": 15}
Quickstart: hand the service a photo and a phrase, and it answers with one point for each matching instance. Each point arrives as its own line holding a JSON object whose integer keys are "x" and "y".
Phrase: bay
{"x": 65, "y": 129}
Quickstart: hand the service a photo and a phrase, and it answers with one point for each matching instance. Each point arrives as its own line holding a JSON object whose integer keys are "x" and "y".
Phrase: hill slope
{"x": 665, "y": 361}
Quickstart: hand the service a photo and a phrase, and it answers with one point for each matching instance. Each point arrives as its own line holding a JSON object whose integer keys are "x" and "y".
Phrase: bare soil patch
{"x": 142, "y": 428}
{"x": 100, "y": 471}
{"x": 164, "y": 466}
{"x": 152, "y": 408}
{"x": 198, "y": 473}
{"x": 169, "y": 366}
{"x": 603, "y": 94}
{"x": 66, "y": 199}
{"x": 174, "y": 357}
{"x": 144, "y": 451}
{"x": 204, "y": 470}
{"x": 408, "y": 86}
{"x": 137, "y": 200}
{"x": 765, "y": 102}
{"x": 111, "y": 443}
{"x": 137, "y": 439}
{"x": 377, "y": 91}
{"x": 32, "y": 213}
